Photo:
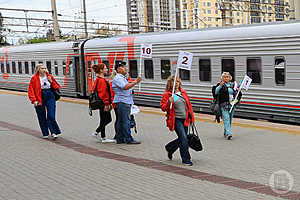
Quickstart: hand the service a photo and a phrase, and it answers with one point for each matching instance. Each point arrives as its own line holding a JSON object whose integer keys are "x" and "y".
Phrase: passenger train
{"x": 268, "y": 53}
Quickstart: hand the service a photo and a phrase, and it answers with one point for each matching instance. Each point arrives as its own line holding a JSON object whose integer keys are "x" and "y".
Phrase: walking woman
{"x": 225, "y": 92}
{"x": 102, "y": 86}
{"x": 42, "y": 97}
{"x": 179, "y": 116}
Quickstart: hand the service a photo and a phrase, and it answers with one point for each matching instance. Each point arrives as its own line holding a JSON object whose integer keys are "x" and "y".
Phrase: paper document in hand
{"x": 246, "y": 83}
{"x": 134, "y": 110}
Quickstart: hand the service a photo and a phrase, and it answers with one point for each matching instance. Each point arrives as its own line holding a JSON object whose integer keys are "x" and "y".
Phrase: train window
{"x": 7, "y": 67}
{"x": 148, "y": 68}
{"x": 32, "y": 66}
{"x": 106, "y": 62}
{"x": 165, "y": 69}
{"x": 48, "y": 65}
{"x": 55, "y": 68}
{"x": 204, "y": 70}
{"x": 184, "y": 74}
{"x": 14, "y": 70}
{"x": 2, "y": 67}
{"x": 70, "y": 68}
{"x": 26, "y": 68}
{"x": 228, "y": 66}
{"x": 64, "y": 67}
{"x": 133, "y": 71}
{"x": 41, "y": 62}
{"x": 20, "y": 67}
{"x": 254, "y": 69}
{"x": 279, "y": 70}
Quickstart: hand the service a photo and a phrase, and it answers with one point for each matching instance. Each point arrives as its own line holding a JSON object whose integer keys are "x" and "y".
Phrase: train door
{"x": 77, "y": 74}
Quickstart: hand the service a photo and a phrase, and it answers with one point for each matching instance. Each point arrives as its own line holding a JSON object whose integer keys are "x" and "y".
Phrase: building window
{"x": 148, "y": 68}
{"x": 228, "y": 66}
{"x": 165, "y": 69}
{"x": 133, "y": 71}
{"x": 279, "y": 70}
{"x": 254, "y": 69}
{"x": 204, "y": 70}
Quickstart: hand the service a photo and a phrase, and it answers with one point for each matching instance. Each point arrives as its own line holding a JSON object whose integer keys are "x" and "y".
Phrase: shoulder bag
{"x": 193, "y": 138}
{"x": 95, "y": 102}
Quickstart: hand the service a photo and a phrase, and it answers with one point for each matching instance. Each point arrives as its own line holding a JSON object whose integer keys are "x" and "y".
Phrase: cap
{"x": 119, "y": 63}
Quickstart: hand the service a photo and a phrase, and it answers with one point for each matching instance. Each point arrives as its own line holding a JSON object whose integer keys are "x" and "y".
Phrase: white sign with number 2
{"x": 185, "y": 60}
{"x": 146, "y": 50}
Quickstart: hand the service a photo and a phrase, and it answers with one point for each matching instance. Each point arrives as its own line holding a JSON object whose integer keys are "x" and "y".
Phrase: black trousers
{"x": 105, "y": 118}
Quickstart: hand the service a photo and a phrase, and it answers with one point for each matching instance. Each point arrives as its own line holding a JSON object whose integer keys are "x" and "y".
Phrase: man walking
{"x": 123, "y": 100}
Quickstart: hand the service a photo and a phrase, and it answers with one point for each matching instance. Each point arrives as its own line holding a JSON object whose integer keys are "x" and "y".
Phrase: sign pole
{"x": 174, "y": 83}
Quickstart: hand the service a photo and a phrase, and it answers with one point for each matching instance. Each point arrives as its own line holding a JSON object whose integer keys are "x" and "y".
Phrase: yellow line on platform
{"x": 201, "y": 119}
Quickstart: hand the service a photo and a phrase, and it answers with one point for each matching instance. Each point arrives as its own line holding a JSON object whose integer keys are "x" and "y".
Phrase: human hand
{"x": 171, "y": 100}
{"x": 36, "y": 103}
{"x": 106, "y": 108}
{"x": 139, "y": 79}
{"x": 221, "y": 83}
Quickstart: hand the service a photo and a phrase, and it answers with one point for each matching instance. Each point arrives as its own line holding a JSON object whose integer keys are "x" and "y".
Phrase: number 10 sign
{"x": 185, "y": 60}
{"x": 146, "y": 50}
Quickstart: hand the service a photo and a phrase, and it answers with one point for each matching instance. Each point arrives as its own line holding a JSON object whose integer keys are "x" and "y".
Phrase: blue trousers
{"x": 46, "y": 114}
{"x": 181, "y": 142}
{"x": 227, "y": 119}
{"x": 123, "y": 123}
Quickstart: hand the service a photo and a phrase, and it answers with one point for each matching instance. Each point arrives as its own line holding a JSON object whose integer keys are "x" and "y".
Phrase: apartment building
{"x": 215, "y": 13}
{"x": 152, "y": 15}
{"x": 295, "y": 9}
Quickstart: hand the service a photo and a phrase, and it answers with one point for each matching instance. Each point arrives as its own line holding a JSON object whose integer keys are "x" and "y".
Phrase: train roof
{"x": 265, "y": 30}
{"x": 53, "y": 46}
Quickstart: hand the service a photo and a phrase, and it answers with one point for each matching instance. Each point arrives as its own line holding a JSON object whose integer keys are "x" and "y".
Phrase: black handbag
{"x": 215, "y": 107}
{"x": 56, "y": 94}
{"x": 95, "y": 102}
{"x": 193, "y": 138}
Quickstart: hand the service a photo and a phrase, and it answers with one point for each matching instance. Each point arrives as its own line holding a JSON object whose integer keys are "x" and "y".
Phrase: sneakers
{"x": 228, "y": 137}
{"x": 104, "y": 140}
{"x": 133, "y": 142}
{"x": 95, "y": 134}
{"x": 46, "y": 137}
{"x": 54, "y": 136}
{"x": 170, "y": 156}
{"x": 187, "y": 163}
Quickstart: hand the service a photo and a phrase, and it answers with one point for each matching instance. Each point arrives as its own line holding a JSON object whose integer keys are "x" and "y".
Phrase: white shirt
{"x": 45, "y": 84}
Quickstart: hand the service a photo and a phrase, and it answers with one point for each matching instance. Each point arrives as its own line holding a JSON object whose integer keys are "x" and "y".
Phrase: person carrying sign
{"x": 179, "y": 116}
{"x": 228, "y": 96}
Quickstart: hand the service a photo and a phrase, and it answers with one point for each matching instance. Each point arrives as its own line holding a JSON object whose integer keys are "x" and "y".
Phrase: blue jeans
{"x": 123, "y": 122}
{"x": 181, "y": 142}
{"x": 227, "y": 119}
{"x": 47, "y": 119}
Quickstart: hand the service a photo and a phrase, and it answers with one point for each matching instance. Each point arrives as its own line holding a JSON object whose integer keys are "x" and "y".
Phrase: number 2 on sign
{"x": 185, "y": 60}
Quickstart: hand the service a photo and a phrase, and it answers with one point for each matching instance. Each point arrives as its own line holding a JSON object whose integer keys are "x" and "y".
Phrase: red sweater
{"x": 102, "y": 90}
{"x": 165, "y": 106}
{"x": 35, "y": 89}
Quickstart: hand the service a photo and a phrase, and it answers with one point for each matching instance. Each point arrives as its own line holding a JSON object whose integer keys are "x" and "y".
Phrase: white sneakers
{"x": 54, "y": 136}
{"x": 103, "y": 140}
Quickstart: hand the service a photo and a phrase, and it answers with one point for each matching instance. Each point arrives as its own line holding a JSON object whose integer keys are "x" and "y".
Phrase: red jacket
{"x": 102, "y": 90}
{"x": 165, "y": 106}
{"x": 35, "y": 89}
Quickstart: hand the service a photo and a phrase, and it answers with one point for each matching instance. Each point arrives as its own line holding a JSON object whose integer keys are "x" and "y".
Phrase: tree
{"x": 1, "y": 29}
{"x": 105, "y": 31}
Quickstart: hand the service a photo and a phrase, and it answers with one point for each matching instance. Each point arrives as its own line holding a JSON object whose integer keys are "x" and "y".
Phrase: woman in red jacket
{"x": 106, "y": 95}
{"x": 179, "y": 116}
{"x": 42, "y": 97}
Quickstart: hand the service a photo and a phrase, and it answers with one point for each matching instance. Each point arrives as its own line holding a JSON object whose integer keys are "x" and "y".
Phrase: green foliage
{"x": 38, "y": 40}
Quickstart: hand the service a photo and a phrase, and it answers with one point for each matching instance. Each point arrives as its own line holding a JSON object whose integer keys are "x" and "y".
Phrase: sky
{"x": 112, "y": 11}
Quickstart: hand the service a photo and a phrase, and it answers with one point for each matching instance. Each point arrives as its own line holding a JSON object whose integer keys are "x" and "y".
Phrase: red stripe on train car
{"x": 243, "y": 102}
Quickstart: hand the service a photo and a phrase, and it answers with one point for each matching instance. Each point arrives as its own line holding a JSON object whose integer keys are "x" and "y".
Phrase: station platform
{"x": 78, "y": 166}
